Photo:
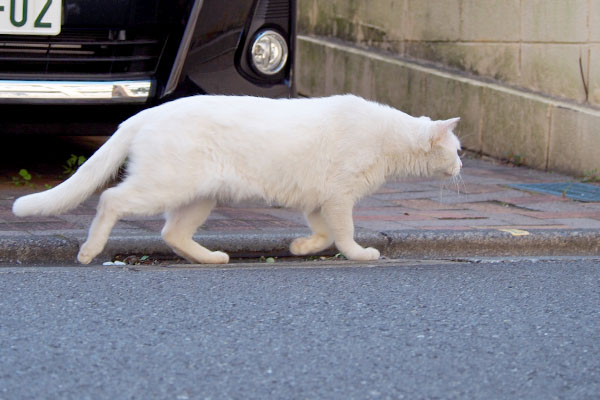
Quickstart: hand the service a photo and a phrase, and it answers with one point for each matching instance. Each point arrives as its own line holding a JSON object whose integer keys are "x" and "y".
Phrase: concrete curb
{"x": 393, "y": 244}
{"x": 491, "y": 243}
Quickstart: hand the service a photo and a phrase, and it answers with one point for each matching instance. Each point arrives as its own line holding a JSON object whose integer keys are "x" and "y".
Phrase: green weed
{"x": 24, "y": 179}
{"x": 590, "y": 176}
{"x": 72, "y": 164}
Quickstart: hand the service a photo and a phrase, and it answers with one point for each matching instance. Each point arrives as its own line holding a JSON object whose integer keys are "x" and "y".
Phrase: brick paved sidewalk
{"x": 460, "y": 216}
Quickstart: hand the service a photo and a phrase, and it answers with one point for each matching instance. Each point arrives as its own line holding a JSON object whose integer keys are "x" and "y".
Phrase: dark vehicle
{"x": 79, "y": 67}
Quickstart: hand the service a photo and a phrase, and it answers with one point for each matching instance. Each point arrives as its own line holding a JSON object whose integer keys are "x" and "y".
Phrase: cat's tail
{"x": 95, "y": 172}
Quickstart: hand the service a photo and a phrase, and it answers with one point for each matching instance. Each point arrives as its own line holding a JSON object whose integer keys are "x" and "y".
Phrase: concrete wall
{"x": 535, "y": 44}
{"x": 511, "y": 69}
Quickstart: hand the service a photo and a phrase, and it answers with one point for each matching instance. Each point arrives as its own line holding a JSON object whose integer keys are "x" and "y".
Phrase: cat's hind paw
{"x": 218, "y": 257}
{"x": 300, "y": 246}
{"x": 86, "y": 255}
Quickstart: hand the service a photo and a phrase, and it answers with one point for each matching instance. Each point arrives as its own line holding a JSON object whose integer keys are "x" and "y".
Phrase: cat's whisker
{"x": 456, "y": 181}
{"x": 456, "y": 185}
{"x": 444, "y": 186}
{"x": 459, "y": 182}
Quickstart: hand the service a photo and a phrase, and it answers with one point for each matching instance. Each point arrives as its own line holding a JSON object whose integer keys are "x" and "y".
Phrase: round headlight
{"x": 269, "y": 52}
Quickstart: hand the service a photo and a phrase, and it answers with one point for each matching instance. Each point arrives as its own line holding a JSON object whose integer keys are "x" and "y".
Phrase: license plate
{"x": 30, "y": 17}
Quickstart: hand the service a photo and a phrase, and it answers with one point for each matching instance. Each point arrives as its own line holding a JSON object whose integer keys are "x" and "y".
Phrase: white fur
{"x": 316, "y": 155}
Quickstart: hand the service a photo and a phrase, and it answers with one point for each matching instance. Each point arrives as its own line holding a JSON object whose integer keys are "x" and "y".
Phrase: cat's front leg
{"x": 337, "y": 213}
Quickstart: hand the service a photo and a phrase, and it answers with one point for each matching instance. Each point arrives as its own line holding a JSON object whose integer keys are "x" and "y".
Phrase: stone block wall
{"x": 524, "y": 75}
{"x": 552, "y": 47}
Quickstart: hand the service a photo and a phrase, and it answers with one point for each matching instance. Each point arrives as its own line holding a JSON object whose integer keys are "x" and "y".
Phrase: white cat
{"x": 318, "y": 155}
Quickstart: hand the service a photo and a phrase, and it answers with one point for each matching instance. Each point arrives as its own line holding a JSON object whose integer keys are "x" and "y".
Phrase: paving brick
{"x": 497, "y": 177}
{"x": 399, "y": 187}
{"x": 579, "y": 223}
{"x": 382, "y": 226}
{"x": 455, "y": 223}
{"x": 241, "y": 213}
{"x": 410, "y": 217}
{"x": 450, "y": 214}
{"x": 427, "y": 204}
{"x": 447, "y": 228}
{"x": 523, "y": 220}
{"x": 387, "y": 210}
{"x": 473, "y": 188}
{"x": 371, "y": 202}
{"x": 473, "y": 198}
{"x": 282, "y": 213}
{"x": 527, "y": 200}
{"x": 491, "y": 207}
{"x": 487, "y": 179}
{"x": 554, "y": 205}
{"x": 408, "y": 195}
{"x": 590, "y": 206}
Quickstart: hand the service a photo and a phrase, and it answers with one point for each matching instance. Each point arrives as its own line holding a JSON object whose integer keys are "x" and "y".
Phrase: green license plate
{"x": 30, "y": 17}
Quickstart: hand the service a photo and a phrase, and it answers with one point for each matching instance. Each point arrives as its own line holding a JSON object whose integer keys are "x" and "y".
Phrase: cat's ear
{"x": 450, "y": 124}
{"x": 442, "y": 128}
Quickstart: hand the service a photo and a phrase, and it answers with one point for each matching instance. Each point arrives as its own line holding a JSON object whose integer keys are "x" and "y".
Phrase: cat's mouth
{"x": 453, "y": 173}
{"x": 456, "y": 170}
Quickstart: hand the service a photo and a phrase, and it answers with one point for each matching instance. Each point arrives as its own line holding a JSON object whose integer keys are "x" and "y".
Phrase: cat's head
{"x": 441, "y": 147}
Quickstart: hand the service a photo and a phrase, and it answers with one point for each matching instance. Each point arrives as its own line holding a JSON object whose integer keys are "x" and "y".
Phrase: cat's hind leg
{"x": 321, "y": 238}
{"x": 337, "y": 213}
{"x": 114, "y": 203}
{"x": 180, "y": 227}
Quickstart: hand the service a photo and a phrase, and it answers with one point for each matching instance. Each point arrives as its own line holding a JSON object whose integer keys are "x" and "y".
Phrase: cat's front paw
{"x": 368, "y": 254}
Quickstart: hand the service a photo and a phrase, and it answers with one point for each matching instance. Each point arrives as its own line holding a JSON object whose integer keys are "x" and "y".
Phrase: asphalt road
{"x": 493, "y": 330}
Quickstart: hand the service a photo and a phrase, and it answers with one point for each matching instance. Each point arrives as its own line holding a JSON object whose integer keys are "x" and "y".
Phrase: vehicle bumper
{"x": 79, "y": 92}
